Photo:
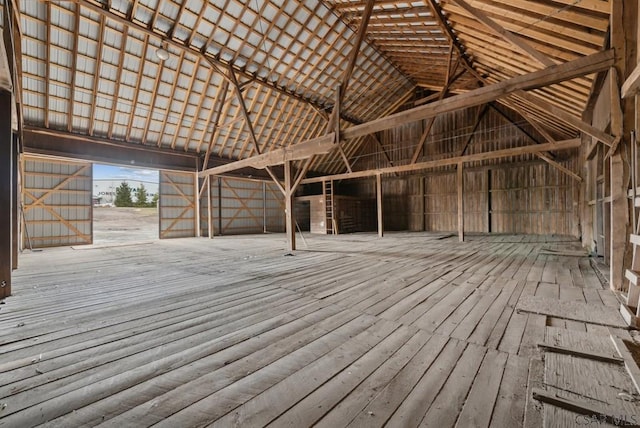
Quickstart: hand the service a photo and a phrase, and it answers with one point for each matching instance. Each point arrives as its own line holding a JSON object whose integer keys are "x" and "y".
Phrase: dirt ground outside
{"x": 113, "y": 225}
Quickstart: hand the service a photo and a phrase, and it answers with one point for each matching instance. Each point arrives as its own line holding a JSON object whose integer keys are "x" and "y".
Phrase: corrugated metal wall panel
{"x": 56, "y": 197}
{"x": 177, "y": 205}
{"x": 275, "y": 218}
{"x": 242, "y": 206}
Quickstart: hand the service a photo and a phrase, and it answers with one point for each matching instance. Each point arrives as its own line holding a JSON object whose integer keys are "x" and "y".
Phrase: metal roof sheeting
{"x": 90, "y": 67}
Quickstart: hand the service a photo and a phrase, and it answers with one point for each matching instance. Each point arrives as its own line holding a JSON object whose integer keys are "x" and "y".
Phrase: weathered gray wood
{"x": 582, "y": 354}
{"x": 571, "y": 311}
{"x": 326, "y": 408}
{"x": 510, "y": 404}
{"x": 629, "y": 362}
{"x": 414, "y": 406}
{"x": 478, "y": 408}
{"x": 244, "y": 332}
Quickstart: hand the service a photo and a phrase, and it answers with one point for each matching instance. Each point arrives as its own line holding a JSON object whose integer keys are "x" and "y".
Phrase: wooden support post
{"x": 15, "y": 203}
{"x": 421, "y": 205}
{"x": 379, "y": 204}
{"x": 623, "y": 23}
{"x": 460, "y": 203}
{"x": 6, "y": 194}
{"x": 290, "y": 219}
{"x": 209, "y": 208}
{"x": 197, "y": 202}
{"x": 264, "y": 207}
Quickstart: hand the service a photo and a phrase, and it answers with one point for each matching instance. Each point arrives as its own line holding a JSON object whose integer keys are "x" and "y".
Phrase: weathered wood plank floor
{"x": 408, "y": 330}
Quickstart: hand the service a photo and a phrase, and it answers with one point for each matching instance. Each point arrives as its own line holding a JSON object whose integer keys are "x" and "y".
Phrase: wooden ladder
{"x": 330, "y": 222}
{"x": 630, "y": 308}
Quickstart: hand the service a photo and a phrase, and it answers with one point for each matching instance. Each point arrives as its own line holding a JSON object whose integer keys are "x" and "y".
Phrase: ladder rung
{"x": 633, "y": 276}
{"x": 634, "y": 239}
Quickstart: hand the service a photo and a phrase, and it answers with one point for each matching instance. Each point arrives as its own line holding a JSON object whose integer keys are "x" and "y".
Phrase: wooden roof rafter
{"x": 136, "y": 94}
{"x": 216, "y": 62}
{"x": 116, "y": 92}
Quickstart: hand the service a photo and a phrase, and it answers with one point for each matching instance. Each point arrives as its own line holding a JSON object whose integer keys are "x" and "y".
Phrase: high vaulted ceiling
{"x": 90, "y": 66}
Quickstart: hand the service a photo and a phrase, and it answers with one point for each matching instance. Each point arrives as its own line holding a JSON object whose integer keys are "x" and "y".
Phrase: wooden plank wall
{"x": 56, "y": 194}
{"x": 527, "y": 195}
{"x": 448, "y": 137}
{"x": 532, "y": 199}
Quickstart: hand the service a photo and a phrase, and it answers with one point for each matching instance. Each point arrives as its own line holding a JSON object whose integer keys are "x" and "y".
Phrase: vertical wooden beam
{"x": 264, "y": 207}
{"x": 196, "y": 194}
{"x": 220, "y": 205}
{"x": 336, "y": 124}
{"x": 423, "y": 205}
{"x": 460, "y": 203}
{"x": 379, "y": 205}
{"x": 15, "y": 202}
{"x": 6, "y": 195}
{"x": 623, "y": 24}
{"x": 489, "y": 219}
{"x": 288, "y": 197}
{"x": 209, "y": 208}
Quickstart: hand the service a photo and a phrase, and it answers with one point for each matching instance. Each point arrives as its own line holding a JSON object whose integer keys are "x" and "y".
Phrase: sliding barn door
{"x": 56, "y": 197}
{"x": 177, "y": 205}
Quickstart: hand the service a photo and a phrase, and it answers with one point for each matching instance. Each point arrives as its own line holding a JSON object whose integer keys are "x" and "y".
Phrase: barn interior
{"x": 371, "y": 213}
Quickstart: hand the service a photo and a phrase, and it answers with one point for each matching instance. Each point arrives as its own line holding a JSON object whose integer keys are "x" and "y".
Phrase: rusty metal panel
{"x": 56, "y": 198}
{"x": 177, "y": 205}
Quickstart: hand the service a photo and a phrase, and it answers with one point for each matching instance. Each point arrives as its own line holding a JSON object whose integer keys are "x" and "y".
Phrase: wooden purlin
{"x": 278, "y": 156}
{"x": 216, "y": 62}
{"x": 560, "y": 145}
{"x": 548, "y": 76}
{"x": 482, "y": 95}
{"x": 116, "y": 91}
{"x": 217, "y": 111}
{"x": 74, "y": 60}
{"x": 183, "y": 108}
{"x": 174, "y": 85}
{"x": 505, "y": 34}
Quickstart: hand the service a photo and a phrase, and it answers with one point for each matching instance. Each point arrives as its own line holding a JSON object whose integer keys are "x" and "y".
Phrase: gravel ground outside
{"x": 113, "y": 225}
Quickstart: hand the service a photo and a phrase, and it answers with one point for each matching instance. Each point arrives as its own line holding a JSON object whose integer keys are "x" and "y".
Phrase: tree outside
{"x": 123, "y": 195}
{"x": 141, "y": 196}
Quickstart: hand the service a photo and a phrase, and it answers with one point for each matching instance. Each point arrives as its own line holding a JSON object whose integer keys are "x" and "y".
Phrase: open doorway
{"x": 125, "y": 204}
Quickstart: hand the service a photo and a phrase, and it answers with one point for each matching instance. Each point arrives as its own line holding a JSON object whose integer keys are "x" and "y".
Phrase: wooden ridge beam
{"x": 304, "y": 150}
{"x": 531, "y": 149}
{"x": 547, "y": 76}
